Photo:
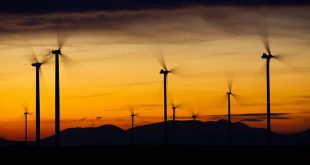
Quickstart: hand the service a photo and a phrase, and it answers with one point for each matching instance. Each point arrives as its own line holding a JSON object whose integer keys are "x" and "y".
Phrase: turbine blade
{"x": 173, "y": 104}
{"x": 177, "y": 71}
{"x": 66, "y": 59}
{"x": 230, "y": 79}
{"x": 62, "y": 36}
{"x": 46, "y": 58}
{"x": 34, "y": 58}
{"x": 161, "y": 58}
{"x": 229, "y": 83}
{"x": 197, "y": 114}
{"x": 178, "y": 105}
{"x": 236, "y": 97}
{"x": 284, "y": 59}
{"x": 263, "y": 33}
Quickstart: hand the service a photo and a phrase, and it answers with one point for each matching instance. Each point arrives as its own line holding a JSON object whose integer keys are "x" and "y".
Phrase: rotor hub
{"x": 56, "y": 52}
{"x": 37, "y": 64}
{"x": 267, "y": 56}
{"x": 162, "y": 71}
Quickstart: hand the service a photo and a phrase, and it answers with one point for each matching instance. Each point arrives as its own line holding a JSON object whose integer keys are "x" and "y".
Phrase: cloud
{"x": 48, "y": 6}
{"x": 255, "y": 117}
{"x": 191, "y": 24}
{"x": 269, "y": 21}
{"x": 252, "y": 120}
{"x": 260, "y": 114}
{"x": 122, "y": 27}
{"x": 305, "y": 97}
{"x": 66, "y": 120}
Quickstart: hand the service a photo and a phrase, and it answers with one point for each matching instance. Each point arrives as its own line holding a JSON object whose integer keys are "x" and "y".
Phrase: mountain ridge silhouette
{"x": 212, "y": 133}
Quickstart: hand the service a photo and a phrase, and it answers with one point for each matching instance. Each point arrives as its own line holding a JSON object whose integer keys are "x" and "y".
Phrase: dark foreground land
{"x": 152, "y": 154}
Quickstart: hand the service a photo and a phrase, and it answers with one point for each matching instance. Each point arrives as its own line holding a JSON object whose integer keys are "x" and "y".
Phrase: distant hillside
{"x": 184, "y": 133}
{"x": 4, "y": 142}
{"x": 103, "y": 135}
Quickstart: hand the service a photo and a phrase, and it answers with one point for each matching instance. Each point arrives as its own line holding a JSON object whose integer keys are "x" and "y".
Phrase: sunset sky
{"x": 113, "y": 49}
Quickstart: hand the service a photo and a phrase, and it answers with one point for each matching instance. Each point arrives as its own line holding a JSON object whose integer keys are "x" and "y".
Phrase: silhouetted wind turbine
{"x": 93, "y": 124}
{"x": 194, "y": 117}
{"x": 132, "y": 115}
{"x": 268, "y": 56}
{"x": 229, "y": 94}
{"x": 57, "y": 52}
{"x": 97, "y": 118}
{"x": 26, "y": 113}
{"x": 164, "y": 71}
{"x": 37, "y": 64}
{"x": 174, "y": 108}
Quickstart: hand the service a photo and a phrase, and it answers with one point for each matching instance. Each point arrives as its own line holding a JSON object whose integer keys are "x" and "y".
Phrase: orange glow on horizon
{"x": 113, "y": 70}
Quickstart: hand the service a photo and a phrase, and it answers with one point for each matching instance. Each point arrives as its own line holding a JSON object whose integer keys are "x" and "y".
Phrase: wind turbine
{"x": 164, "y": 71}
{"x": 194, "y": 117}
{"x": 97, "y": 118}
{"x": 268, "y": 56}
{"x": 229, "y": 94}
{"x": 93, "y": 124}
{"x": 57, "y": 53}
{"x": 26, "y": 113}
{"x": 174, "y": 108}
{"x": 37, "y": 64}
{"x": 132, "y": 115}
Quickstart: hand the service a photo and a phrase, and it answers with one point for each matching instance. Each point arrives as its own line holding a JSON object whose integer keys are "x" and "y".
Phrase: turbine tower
{"x": 174, "y": 108}
{"x": 194, "y": 117}
{"x": 165, "y": 72}
{"x": 37, "y": 64}
{"x": 26, "y": 113}
{"x": 57, "y": 53}
{"x": 132, "y": 115}
{"x": 229, "y": 132}
{"x": 61, "y": 40}
{"x": 268, "y": 56}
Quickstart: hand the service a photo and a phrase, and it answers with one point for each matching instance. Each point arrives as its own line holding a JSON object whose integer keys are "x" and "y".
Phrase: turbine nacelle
{"x": 165, "y": 72}
{"x": 194, "y": 117}
{"x": 56, "y": 52}
{"x": 132, "y": 114}
{"x": 36, "y": 64}
{"x": 229, "y": 93}
{"x": 267, "y": 56}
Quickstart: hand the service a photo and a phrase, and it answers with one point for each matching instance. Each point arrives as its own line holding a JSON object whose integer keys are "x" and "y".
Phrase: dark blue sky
{"x": 43, "y": 6}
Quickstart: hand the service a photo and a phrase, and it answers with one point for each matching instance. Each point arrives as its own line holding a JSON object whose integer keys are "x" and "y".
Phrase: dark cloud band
{"x": 46, "y": 6}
